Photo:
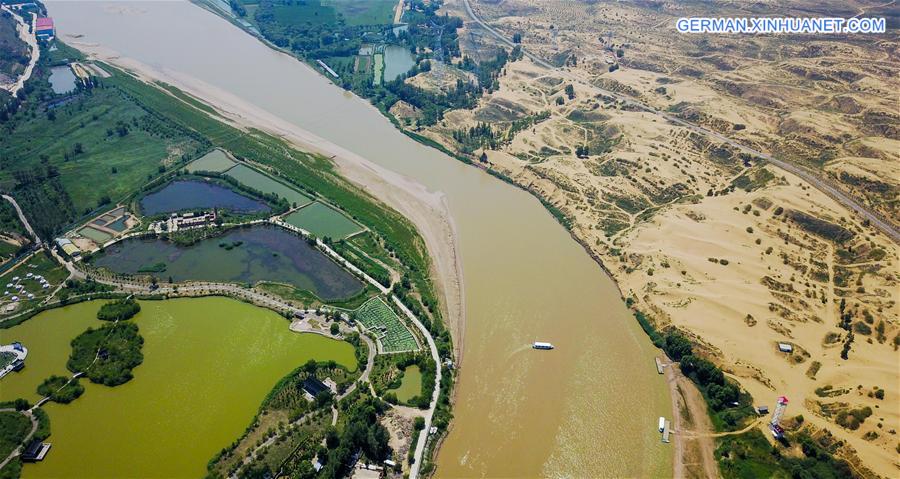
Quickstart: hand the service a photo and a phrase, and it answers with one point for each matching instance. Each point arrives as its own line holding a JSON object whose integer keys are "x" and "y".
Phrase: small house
{"x": 35, "y": 451}
{"x": 313, "y": 386}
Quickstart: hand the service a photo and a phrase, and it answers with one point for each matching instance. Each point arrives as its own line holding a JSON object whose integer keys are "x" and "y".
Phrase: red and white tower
{"x": 775, "y": 423}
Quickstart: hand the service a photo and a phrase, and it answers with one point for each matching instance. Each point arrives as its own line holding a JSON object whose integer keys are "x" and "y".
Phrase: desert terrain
{"x": 724, "y": 246}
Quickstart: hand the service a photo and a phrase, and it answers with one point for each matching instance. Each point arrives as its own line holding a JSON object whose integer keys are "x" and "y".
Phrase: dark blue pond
{"x": 194, "y": 194}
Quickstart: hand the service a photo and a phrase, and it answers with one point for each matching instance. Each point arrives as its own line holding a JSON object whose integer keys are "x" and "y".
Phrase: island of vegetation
{"x": 61, "y": 389}
{"x": 107, "y": 355}
{"x": 119, "y": 310}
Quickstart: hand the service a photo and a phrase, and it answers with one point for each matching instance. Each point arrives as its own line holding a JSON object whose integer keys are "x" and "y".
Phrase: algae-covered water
{"x": 208, "y": 365}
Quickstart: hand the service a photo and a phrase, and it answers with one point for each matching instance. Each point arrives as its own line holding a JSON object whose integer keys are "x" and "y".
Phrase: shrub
{"x": 119, "y": 310}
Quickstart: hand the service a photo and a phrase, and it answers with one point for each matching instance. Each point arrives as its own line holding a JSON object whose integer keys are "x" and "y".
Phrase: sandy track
{"x": 427, "y": 210}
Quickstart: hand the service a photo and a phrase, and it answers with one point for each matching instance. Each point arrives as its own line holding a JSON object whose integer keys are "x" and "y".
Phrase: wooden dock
{"x": 659, "y": 365}
{"x": 666, "y": 431}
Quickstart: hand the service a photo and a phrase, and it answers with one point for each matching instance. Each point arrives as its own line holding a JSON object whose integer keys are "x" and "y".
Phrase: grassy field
{"x": 378, "y": 72}
{"x": 369, "y": 12}
{"x": 258, "y": 181}
{"x": 382, "y": 321}
{"x": 323, "y": 221}
{"x": 311, "y": 12}
{"x": 215, "y": 160}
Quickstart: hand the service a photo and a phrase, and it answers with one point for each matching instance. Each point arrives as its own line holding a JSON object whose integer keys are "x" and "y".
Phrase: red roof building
{"x": 44, "y": 28}
{"x": 44, "y": 23}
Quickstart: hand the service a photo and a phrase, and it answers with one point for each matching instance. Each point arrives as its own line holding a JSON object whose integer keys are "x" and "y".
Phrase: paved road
{"x": 884, "y": 225}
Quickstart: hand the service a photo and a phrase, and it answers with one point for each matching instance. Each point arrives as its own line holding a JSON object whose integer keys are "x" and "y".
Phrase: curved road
{"x": 882, "y": 224}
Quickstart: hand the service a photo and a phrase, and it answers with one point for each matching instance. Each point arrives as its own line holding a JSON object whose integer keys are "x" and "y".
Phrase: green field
{"x": 310, "y": 12}
{"x": 215, "y": 160}
{"x": 384, "y": 323}
{"x": 323, "y": 221}
{"x": 258, "y": 181}
{"x": 378, "y": 72}
{"x": 369, "y": 12}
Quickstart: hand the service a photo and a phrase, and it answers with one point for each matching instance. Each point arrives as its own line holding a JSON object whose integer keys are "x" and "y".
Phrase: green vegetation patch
{"x": 215, "y": 161}
{"x": 14, "y": 426}
{"x": 9, "y": 219}
{"x": 119, "y": 310}
{"x": 309, "y": 12}
{"x": 323, "y": 221}
{"x": 380, "y": 320}
{"x": 820, "y": 227}
{"x": 107, "y": 355}
{"x": 61, "y": 389}
{"x": 369, "y": 12}
{"x": 260, "y": 182}
{"x": 750, "y": 455}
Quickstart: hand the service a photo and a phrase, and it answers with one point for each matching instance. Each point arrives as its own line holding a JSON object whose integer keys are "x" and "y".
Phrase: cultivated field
{"x": 323, "y": 221}
{"x": 383, "y": 322}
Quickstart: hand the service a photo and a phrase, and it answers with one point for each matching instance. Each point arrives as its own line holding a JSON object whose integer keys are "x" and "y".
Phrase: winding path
{"x": 821, "y": 184}
{"x": 22, "y": 218}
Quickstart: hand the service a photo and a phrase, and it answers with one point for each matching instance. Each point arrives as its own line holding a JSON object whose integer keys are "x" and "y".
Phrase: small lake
{"x": 241, "y": 255}
{"x": 410, "y": 384}
{"x": 397, "y": 61}
{"x": 196, "y": 194}
{"x": 62, "y": 80}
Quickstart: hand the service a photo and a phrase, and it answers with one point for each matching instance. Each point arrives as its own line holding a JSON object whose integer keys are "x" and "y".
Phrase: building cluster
{"x": 183, "y": 221}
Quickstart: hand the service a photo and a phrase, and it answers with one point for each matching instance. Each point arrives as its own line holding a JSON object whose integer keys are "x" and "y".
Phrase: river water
{"x": 588, "y": 408}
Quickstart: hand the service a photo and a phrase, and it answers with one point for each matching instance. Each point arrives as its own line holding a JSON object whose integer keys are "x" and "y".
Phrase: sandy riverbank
{"x": 427, "y": 210}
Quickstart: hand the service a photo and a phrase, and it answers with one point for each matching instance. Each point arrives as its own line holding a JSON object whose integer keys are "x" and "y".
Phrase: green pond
{"x": 208, "y": 365}
{"x": 410, "y": 384}
{"x": 241, "y": 255}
